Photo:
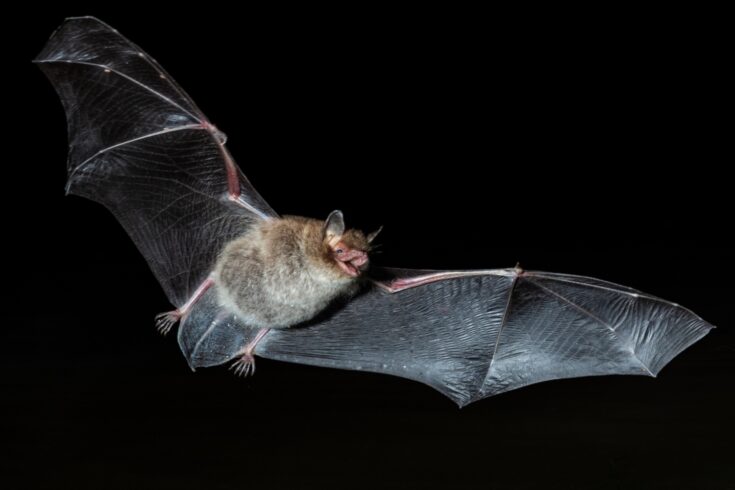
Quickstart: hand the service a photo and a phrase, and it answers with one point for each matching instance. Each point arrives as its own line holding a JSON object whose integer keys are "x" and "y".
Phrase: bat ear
{"x": 371, "y": 236}
{"x": 334, "y": 226}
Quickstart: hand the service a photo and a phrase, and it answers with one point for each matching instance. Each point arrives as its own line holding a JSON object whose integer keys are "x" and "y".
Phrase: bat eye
{"x": 339, "y": 251}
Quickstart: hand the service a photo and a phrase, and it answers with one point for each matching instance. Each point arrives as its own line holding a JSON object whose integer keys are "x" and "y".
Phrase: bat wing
{"x": 475, "y": 334}
{"x": 141, "y": 147}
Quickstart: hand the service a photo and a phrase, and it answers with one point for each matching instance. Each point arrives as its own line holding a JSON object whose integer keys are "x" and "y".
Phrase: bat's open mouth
{"x": 353, "y": 262}
{"x": 349, "y": 268}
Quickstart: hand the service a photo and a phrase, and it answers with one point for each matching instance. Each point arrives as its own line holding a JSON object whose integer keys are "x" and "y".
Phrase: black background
{"x": 478, "y": 141}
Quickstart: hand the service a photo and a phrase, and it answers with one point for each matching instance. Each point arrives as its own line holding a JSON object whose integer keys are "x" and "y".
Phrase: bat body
{"x": 247, "y": 282}
{"x": 284, "y": 271}
{"x": 279, "y": 274}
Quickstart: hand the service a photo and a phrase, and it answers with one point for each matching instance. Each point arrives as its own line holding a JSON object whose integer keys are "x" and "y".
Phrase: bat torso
{"x": 276, "y": 275}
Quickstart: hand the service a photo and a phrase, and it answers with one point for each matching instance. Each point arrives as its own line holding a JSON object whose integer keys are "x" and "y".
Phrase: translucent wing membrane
{"x": 468, "y": 334}
{"x": 212, "y": 335}
{"x": 141, "y": 147}
{"x": 474, "y": 336}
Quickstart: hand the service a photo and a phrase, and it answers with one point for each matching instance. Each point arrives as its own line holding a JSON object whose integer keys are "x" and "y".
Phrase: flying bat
{"x": 246, "y": 282}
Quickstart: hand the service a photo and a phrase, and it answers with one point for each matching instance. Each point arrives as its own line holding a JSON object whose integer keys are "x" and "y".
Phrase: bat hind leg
{"x": 245, "y": 364}
{"x": 165, "y": 321}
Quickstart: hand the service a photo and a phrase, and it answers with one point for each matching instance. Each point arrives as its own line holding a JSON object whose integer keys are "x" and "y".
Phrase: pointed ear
{"x": 334, "y": 226}
{"x": 373, "y": 234}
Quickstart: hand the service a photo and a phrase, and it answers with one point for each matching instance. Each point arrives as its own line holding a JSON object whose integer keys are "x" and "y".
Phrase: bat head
{"x": 348, "y": 249}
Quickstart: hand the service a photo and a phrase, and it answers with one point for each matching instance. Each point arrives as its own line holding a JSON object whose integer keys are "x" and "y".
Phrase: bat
{"x": 246, "y": 282}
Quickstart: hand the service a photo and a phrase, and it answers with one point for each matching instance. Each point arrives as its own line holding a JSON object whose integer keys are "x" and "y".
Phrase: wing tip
{"x": 82, "y": 18}
{"x": 704, "y": 329}
{"x": 77, "y": 17}
{"x": 89, "y": 18}
{"x": 59, "y": 31}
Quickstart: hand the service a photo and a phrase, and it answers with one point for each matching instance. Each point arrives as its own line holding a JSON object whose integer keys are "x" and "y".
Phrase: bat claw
{"x": 166, "y": 320}
{"x": 245, "y": 366}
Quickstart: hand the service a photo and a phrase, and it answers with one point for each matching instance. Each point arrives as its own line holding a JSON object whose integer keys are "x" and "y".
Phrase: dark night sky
{"x": 477, "y": 143}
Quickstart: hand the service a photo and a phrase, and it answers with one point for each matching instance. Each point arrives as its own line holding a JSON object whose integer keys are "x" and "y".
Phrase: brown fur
{"x": 282, "y": 272}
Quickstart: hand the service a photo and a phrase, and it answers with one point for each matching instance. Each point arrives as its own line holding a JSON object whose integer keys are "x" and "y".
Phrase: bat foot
{"x": 165, "y": 321}
{"x": 245, "y": 366}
